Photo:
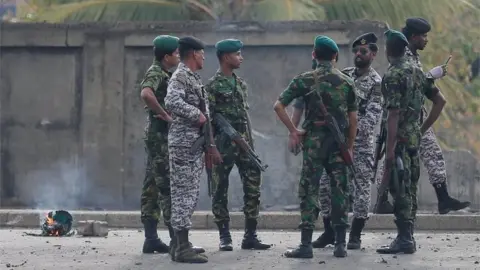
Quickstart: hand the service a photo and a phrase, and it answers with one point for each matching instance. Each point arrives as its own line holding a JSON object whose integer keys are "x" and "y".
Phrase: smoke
{"x": 66, "y": 185}
{"x": 58, "y": 187}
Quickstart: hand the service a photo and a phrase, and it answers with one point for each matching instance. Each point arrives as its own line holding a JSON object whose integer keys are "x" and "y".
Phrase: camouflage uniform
{"x": 370, "y": 109}
{"x": 182, "y": 100}
{"x": 339, "y": 99}
{"x": 156, "y": 184}
{"x": 228, "y": 97}
{"x": 404, "y": 87}
{"x": 432, "y": 157}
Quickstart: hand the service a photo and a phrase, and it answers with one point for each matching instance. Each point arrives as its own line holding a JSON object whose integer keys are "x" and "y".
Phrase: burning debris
{"x": 56, "y": 223}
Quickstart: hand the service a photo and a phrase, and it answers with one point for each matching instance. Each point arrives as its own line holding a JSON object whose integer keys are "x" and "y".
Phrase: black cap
{"x": 365, "y": 39}
{"x": 190, "y": 43}
{"x": 417, "y": 26}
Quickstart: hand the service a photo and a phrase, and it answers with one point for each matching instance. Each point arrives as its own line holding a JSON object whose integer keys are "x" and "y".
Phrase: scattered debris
{"x": 92, "y": 228}
{"x": 15, "y": 265}
{"x": 383, "y": 260}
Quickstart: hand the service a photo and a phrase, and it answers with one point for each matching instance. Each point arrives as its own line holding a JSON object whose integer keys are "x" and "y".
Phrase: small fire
{"x": 53, "y": 228}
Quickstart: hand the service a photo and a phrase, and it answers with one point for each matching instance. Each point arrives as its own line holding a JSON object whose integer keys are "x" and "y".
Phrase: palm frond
{"x": 121, "y": 10}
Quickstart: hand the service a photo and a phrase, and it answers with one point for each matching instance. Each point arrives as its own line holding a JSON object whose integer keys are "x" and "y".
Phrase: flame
{"x": 53, "y": 231}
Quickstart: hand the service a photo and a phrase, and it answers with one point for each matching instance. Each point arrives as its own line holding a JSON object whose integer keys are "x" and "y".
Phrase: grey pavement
{"x": 122, "y": 250}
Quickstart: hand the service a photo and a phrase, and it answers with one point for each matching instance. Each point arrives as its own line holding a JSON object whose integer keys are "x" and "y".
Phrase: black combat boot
{"x": 447, "y": 203}
{"x": 173, "y": 242}
{"x": 385, "y": 206}
{"x": 340, "y": 243}
{"x": 250, "y": 239}
{"x": 327, "y": 237}
{"x": 412, "y": 230}
{"x": 304, "y": 250}
{"x": 152, "y": 243}
{"x": 403, "y": 243}
{"x": 354, "y": 241}
{"x": 225, "y": 236}
{"x": 184, "y": 252}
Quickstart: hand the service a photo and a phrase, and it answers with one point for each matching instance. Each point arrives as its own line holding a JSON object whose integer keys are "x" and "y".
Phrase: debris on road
{"x": 92, "y": 228}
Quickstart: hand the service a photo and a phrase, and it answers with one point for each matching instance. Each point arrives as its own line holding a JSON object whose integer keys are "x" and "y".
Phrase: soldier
{"x": 404, "y": 87}
{"x": 337, "y": 92}
{"x": 184, "y": 94}
{"x": 156, "y": 185}
{"x": 416, "y": 30}
{"x": 367, "y": 82}
{"x": 228, "y": 96}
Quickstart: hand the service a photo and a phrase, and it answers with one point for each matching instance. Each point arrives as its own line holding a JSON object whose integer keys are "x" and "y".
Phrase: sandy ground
{"x": 122, "y": 250}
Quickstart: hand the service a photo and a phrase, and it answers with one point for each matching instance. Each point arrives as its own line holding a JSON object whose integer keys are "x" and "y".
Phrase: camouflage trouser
{"x": 432, "y": 158}
{"x": 156, "y": 185}
{"x": 312, "y": 170}
{"x": 405, "y": 205}
{"x": 251, "y": 180}
{"x": 185, "y": 172}
{"x": 361, "y": 195}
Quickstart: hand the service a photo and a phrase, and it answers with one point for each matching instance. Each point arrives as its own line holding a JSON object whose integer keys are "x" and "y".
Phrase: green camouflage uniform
{"x": 228, "y": 96}
{"x": 339, "y": 100}
{"x": 156, "y": 185}
{"x": 404, "y": 87}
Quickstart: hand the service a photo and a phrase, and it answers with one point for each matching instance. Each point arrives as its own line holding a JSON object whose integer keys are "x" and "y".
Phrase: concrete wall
{"x": 72, "y": 121}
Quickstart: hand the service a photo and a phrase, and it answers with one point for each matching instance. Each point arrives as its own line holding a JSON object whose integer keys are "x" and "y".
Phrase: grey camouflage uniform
{"x": 370, "y": 101}
{"x": 430, "y": 151}
{"x": 183, "y": 100}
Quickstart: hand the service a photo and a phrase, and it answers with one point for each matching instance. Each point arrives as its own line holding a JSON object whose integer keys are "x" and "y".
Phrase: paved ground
{"x": 121, "y": 250}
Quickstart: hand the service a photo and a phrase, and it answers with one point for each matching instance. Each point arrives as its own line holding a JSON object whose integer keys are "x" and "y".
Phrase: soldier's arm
{"x": 295, "y": 89}
{"x": 395, "y": 86}
{"x": 148, "y": 86}
{"x": 175, "y": 100}
{"x": 298, "y": 107}
{"x": 352, "y": 116}
{"x": 438, "y": 100}
{"x": 373, "y": 112}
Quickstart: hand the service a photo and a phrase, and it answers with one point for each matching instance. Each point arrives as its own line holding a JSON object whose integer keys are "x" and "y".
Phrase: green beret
{"x": 324, "y": 41}
{"x": 396, "y": 36}
{"x": 229, "y": 45}
{"x": 165, "y": 43}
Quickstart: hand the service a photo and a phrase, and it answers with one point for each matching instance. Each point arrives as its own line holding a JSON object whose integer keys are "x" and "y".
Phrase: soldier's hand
{"x": 438, "y": 71}
{"x": 295, "y": 138}
{"x": 167, "y": 118}
{"x": 214, "y": 155}
{"x": 201, "y": 120}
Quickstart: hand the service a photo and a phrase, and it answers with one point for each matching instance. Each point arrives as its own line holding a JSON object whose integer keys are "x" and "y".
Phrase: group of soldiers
{"x": 180, "y": 106}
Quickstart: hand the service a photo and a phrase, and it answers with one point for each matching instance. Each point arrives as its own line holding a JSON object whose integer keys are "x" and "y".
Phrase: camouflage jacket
{"x": 156, "y": 78}
{"x": 404, "y": 87}
{"x": 413, "y": 58}
{"x": 338, "y": 99}
{"x": 370, "y": 103}
{"x": 184, "y": 93}
{"x": 228, "y": 96}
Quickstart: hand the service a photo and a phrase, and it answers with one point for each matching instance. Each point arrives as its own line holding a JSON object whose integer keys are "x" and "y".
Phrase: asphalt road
{"x": 122, "y": 250}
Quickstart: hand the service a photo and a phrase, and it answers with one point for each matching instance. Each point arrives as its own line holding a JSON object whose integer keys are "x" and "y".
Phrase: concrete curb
{"x": 267, "y": 220}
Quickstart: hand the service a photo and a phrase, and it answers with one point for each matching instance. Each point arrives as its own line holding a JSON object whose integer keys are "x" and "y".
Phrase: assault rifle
{"x": 379, "y": 151}
{"x": 226, "y": 128}
{"x": 397, "y": 171}
{"x": 205, "y": 141}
